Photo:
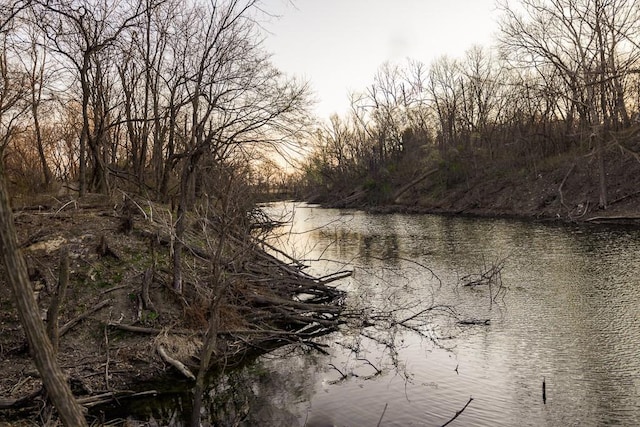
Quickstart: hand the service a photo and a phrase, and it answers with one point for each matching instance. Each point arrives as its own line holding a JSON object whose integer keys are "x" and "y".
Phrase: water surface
{"x": 569, "y": 317}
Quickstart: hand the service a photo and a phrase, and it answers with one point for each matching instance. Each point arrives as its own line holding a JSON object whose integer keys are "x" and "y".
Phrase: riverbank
{"x": 564, "y": 188}
{"x": 123, "y": 330}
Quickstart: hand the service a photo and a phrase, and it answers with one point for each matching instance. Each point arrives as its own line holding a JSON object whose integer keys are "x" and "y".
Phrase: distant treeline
{"x": 561, "y": 79}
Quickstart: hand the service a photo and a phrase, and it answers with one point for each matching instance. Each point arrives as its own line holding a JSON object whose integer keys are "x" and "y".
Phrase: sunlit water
{"x": 569, "y": 317}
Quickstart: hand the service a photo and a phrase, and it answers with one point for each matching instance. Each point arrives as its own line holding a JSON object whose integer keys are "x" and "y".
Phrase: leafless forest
{"x": 175, "y": 103}
{"x": 561, "y": 83}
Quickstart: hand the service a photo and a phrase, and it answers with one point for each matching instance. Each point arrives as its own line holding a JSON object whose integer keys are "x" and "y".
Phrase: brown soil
{"x": 107, "y": 268}
{"x": 563, "y": 188}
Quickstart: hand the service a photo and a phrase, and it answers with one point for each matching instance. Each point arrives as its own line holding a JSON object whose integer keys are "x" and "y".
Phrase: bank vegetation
{"x": 130, "y": 133}
{"x": 543, "y": 123}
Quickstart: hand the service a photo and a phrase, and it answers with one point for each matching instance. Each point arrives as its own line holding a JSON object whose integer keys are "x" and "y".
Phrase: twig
{"x": 362, "y": 359}
{"x": 339, "y": 371}
{"x": 115, "y": 288}
{"x": 146, "y": 217}
{"x": 458, "y": 413}
{"x": 65, "y": 205}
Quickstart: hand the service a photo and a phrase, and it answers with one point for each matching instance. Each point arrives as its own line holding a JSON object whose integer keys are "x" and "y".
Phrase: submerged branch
{"x": 458, "y": 413}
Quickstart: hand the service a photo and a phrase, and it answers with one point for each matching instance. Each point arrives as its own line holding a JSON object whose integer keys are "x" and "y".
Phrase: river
{"x": 567, "y": 314}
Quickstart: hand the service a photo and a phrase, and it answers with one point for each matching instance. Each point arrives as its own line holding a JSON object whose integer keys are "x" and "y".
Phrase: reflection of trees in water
{"x": 259, "y": 395}
{"x": 349, "y": 244}
{"x": 379, "y": 246}
{"x": 264, "y": 392}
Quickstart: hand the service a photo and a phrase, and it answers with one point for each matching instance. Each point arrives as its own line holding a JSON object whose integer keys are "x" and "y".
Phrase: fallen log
{"x": 6, "y": 403}
{"x": 111, "y": 396}
{"x": 143, "y": 330}
{"x": 616, "y": 218}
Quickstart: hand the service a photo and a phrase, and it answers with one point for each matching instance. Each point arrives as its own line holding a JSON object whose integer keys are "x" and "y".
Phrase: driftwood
{"x": 175, "y": 363}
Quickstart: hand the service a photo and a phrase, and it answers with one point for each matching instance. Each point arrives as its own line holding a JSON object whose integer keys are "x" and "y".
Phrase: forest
{"x": 163, "y": 122}
{"x": 552, "y": 106}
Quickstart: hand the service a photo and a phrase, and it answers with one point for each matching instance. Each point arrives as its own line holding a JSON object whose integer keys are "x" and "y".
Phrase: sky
{"x": 338, "y": 45}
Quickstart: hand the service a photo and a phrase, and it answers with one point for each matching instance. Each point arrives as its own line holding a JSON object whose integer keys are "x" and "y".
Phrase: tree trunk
{"x": 602, "y": 173}
{"x": 42, "y": 351}
{"x": 58, "y": 298}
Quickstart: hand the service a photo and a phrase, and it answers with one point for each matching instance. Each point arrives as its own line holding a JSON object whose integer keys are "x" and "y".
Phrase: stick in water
{"x": 458, "y": 413}
{"x": 382, "y": 416}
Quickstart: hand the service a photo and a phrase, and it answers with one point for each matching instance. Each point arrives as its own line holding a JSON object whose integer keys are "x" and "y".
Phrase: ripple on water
{"x": 570, "y": 316}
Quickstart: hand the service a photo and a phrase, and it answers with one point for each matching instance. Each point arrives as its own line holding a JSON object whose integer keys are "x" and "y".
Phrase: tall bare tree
{"x": 444, "y": 88}
{"x": 15, "y": 268}
{"x": 591, "y": 45}
{"x": 81, "y": 32}
{"x": 235, "y": 97}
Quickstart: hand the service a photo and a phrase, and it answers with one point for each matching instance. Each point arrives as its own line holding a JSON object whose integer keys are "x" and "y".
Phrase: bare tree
{"x": 235, "y": 98}
{"x": 16, "y": 271}
{"x": 81, "y": 32}
{"x": 444, "y": 89}
{"x": 590, "y": 44}
{"x": 480, "y": 98}
{"x": 38, "y": 77}
{"x": 12, "y": 93}
{"x": 41, "y": 348}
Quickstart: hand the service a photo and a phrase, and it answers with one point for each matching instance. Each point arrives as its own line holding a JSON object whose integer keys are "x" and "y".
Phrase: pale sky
{"x": 338, "y": 45}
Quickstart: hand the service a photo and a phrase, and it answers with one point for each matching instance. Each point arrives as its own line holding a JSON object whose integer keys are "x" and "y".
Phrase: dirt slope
{"x": 565, "y": 188}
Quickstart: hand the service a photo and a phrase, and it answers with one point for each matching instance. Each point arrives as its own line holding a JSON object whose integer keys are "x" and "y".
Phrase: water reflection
{"x": 570, "y": 316}
{"x": 272, "y": 390}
